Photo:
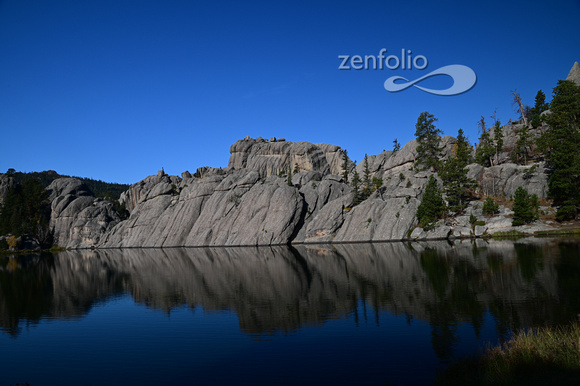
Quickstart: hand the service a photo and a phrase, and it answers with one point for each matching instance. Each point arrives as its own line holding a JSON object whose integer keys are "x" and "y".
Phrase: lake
{"x": 384, "y": 313}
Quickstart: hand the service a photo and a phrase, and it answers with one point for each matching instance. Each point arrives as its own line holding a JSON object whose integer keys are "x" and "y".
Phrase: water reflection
{"x": 279, "y": 290}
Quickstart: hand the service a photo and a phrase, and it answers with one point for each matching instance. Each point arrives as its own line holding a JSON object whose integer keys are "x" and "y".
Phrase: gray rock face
{"x": 379, "y": 220}
{"x": 78, "y": 220}
{"x": 248, "y": 204}
{"x": 149, "y": 187}
{"x": 504, "y": 179}
{"x": 6, "y": 183}
{"x": 237, "y": 209}
{"x": 574, "y": 75}
{"x": 270, "y": 158}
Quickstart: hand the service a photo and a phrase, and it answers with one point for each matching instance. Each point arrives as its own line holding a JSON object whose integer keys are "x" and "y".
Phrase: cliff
{"x": 251, "y": 203}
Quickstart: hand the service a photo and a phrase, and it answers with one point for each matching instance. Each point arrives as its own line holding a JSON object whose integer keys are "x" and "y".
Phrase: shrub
{"x": 377, "y": 182}
{"x": 472, "y": 219}
{"x": 12, "y": 241}
{"x": 566, "y": 212}
{"x": 490, "y": 207}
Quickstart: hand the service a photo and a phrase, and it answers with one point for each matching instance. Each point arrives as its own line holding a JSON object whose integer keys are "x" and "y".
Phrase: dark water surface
{"x": 392, "y": 313}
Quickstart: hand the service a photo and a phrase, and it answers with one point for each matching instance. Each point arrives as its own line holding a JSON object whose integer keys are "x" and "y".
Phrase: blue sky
{"x": 116, "y": 90}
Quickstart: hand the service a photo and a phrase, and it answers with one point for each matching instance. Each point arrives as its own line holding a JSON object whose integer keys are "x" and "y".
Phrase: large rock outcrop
{"x": 272, "y": 157}
{"x": 78, "y": 219}
{"x": 252, "y": 203}
{"x": 503, "y": 180}
{"x": 235, "y": 209}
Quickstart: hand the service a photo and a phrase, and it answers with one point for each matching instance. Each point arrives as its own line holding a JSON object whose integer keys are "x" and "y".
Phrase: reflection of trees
{"x": 277, "y": 289}
{"x": 530, "y": 260}
{"x": 33, "y": 287}
{"x": 568, "y": 274}
{"x": 23, "y": 285}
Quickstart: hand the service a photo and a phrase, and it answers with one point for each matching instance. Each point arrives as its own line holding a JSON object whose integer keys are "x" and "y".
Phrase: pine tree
{"x": 366, "y": 189}
{"x": 490, "y": 207}
{"x": 396, "y": 146}
{"x": 26, "y": 211}
{"x": 525, "y": 207}
{"x": 523, "y": 146}
{"x": 560, "y": 144}
{"x": 498, "y": 139}
{"x": 356, "y": 189}
{"x": 485, "y": 148}
{"x": 289, "y": 178}
{"x": 428, "y": 141}
{"x": 345, "y": 166}
{"x": 454, "y": 174}
{"x": 432, "y": 206}
{"x": 520, "y": 108}
{"x": 539, "y": 107}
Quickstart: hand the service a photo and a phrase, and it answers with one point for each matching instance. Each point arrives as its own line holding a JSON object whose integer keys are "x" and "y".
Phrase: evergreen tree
{"x": 345, "y": 166}
{"x": 454, "y": 174}
{"x": 428, "y": 141}
{"x": 377, "y": 183}
{"x": 367, "y": 187}
{"x": 289, "y": 178}
{"x": 490, "y": 207}
{"x": 356, "y": 189}
{"x": 432, "y": 206}
{"x": 485, "y": 149}
{"x": 525, "y": 207}
{"x": 498, "y": 138}
{"x": 26, "y": 211}
{"x": 560, "y": 144}
{"x": 523, "y": 146}
{"x": 396, "y": 146}
{"x": 539, "y": 107}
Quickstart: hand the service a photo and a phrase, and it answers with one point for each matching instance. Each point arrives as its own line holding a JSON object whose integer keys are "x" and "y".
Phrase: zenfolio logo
{"x": 464, "y": 78}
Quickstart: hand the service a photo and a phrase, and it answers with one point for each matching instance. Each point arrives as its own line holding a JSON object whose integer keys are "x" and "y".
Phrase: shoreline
{"x": 498, "y": 235}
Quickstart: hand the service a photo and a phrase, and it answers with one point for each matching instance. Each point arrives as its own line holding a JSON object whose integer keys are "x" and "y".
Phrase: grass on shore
{"x": 559, "y": 232}
{"x": 535, "y": 357}
{"x": 509, "y": 234}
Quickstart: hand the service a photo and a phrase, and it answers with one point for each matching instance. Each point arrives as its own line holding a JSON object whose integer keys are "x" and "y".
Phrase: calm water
{"x": 347, "y": 314}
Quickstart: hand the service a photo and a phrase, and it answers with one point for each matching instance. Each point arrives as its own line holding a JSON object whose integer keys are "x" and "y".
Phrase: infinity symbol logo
{"x": 464, "y": 79}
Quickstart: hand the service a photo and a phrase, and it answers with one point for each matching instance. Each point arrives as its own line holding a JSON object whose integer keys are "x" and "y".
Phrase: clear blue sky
{"x": 116, "y": 90}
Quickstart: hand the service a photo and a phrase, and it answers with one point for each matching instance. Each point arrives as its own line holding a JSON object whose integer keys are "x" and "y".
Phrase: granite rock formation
{"x": 251, "y": 202}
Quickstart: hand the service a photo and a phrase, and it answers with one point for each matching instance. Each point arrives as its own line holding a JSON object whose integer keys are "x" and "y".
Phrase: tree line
{"x": 26, "y": 209}
{"x": 549, "y": 132}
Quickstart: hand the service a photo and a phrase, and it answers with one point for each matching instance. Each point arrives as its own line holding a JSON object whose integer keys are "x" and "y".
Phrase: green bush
{"x": 472, "y": 219}
{"x": 490, "y": 207}
{"x": 566, "y": 212}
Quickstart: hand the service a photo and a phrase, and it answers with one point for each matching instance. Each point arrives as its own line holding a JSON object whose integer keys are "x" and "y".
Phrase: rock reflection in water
{"x": 278, "y": 289}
